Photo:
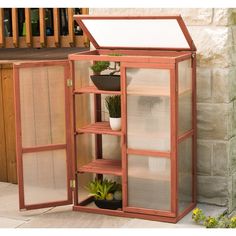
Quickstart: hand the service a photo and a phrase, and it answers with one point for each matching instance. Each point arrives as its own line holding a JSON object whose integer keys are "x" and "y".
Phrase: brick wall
{"x": 214, "y": 34}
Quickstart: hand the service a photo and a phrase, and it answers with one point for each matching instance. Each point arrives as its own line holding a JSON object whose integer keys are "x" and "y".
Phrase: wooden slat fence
{"x": 25, "y": 37}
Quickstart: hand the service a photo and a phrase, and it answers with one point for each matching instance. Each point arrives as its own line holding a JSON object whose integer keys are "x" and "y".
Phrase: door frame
{"x": 20, "y": 150}
{"x": 172, "y": 154}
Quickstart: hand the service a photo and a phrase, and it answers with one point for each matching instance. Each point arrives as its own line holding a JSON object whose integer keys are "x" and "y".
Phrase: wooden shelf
{"x": 94, "y": 90}
{"x": 98, "y": 128}
{"x": 102, "y": 166}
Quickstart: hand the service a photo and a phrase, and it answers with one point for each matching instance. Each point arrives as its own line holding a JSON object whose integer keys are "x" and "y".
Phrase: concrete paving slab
{"x": 10, "y": 223}
{"x": 9, "y": 204}
{"x": 65, "y": 218}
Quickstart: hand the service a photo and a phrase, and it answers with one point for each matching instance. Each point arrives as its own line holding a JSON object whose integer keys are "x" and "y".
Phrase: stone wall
{"x": 214, "y": 34}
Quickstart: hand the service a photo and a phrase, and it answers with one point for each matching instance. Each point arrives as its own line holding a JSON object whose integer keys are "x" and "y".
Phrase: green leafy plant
{"x": 221, "y": 221}
{"x": 103, "y": 189}
{"x": 100, "y": 66}
{"x": 113, "y": 105}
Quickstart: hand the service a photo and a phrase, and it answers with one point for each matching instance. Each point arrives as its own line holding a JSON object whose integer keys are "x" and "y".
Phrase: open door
{"x": 43, "y": 133}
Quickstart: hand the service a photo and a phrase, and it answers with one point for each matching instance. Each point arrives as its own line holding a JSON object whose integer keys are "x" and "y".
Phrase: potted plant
{"x": 107, "y": 194}
{"x": 106, "y": 81}
{"x": 113, "y": 106}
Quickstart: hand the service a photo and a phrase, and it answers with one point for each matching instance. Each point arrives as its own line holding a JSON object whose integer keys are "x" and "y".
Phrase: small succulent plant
{"x": 104, "y": 189}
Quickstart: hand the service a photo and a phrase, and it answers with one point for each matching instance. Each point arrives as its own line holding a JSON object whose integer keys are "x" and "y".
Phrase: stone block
{"x": 203, "y": 85}
{"x": 214, "y": 121}
{"x": 234, "y": 191}
{"x": 220, "y": 159}
{"x": 223, "y": 16}
{"x": 192, "y": 16}
{"x": 234, "y": 118}
{"x": 233, "y": 54}
{"x": 223, "y": 85}
{"x": 213, "y": 45}
{"x": 232, "y": 155}
{"x": 230, "y": 192}
{"x": 213, "y": 190}
{"x": 204, "y": 157}
{"x": 234, "y": 33}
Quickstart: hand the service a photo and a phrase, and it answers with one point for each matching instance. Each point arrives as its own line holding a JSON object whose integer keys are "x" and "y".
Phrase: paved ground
{"x": 64, "y": 217}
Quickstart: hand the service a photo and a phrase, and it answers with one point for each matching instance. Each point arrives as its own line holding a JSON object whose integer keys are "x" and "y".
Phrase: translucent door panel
{"x": 45, "y": 176}
{"x": 148, "y": 109}
{"x": 41, "y": 100}
{"x": 149, "y": 182}
{"x": 185, "y": 174}
{"x": 185, "y": 96}
{"x": 42, "y": 105}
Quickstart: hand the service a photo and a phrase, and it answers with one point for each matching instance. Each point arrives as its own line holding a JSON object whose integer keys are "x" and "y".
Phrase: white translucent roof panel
{"x": 136, "y": 32}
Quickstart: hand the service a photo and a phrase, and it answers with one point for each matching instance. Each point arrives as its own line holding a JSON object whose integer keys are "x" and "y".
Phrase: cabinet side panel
{"x": 185, "y": 175}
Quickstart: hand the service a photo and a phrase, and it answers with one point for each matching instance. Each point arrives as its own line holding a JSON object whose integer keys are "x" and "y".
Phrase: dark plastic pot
{"x": 106, "y": 82}
{"x": 108, "y": 204}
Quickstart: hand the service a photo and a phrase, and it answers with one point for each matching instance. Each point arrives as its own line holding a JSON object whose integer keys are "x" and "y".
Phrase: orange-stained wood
{"x": 46, "y": 205}
{"x": 125, "y": 214}
{"x": 102, "y": 166}
{"x": 43, "y": 148}
{"x": 18, "y": 139}
{"x": 165, "y": 62}
{"x": 71, "y": 26}
{"x": 124, "y": 131}
{"x": 72, "y": 136}
{"x": 9, "y": 122}
{"x": 19, "y": 148}
{"x": 94, "y": 90}
{"x": 149, "y": 211}
{"x": 15, "y": 27}
{"x": 3, "y": 155}
{"x": 194, "y": 125}
{"x": 68, "y": 125}
{"x": 42, "y": 27}
{"x": 174, "y": 130}
{"x": 98, "y": 128}
{"x": 185, "y": 135}
{"x": 28, "y": 27}
{"x": 1, "y": 27}
{"x": 186, "y": 211}
{"x": 56, "y": 25}
{"x": 149, "y": 153}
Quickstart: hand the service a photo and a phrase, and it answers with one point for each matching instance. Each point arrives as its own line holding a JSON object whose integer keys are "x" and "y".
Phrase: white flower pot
{"x": 115, "y": 123}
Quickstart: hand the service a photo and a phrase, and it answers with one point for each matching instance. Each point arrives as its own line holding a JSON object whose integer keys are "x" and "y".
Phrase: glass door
{"x": 148, "y": 148}
{"x": 43, "y": 142}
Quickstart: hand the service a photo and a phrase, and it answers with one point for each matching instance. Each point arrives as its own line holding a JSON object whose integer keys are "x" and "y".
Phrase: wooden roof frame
{"x": 79, "y": 19}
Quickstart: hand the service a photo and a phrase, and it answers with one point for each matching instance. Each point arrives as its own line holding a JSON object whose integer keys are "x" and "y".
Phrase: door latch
{"x": 69, "y": 83}
{"x": 72, "y": 183}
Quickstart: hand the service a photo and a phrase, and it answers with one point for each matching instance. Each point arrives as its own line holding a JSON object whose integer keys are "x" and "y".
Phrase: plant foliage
{"x": 100, "y": 189}
{"x": 113, "y": 105}
{"x": 100, "y": 66}
{"x": 222, "y": 221}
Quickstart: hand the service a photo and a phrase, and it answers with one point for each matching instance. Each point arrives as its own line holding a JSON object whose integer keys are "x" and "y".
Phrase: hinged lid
{"x": 137, "y": 32}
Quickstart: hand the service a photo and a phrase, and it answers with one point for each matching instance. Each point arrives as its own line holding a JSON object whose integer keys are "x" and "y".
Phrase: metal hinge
{"x": 72, "y": 183}
{"x": 69, "y": 83}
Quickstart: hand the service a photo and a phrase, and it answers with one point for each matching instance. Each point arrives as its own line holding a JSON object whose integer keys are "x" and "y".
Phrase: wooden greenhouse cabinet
{"x": 154, "y": 154}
